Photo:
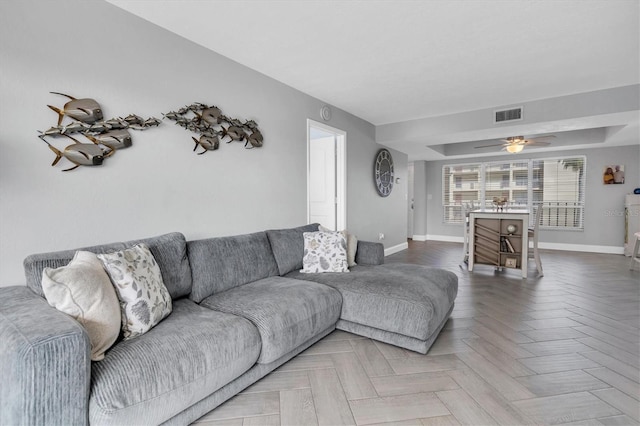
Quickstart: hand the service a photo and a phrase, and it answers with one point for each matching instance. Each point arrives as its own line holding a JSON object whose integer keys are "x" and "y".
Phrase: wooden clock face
{"x": 383, "y": 173}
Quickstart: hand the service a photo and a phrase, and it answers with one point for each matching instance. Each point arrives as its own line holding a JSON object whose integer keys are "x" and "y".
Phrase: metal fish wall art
{"x": 85, "y": 110}
{"x": 80, "y": 154}
{"x": 213, "y": 126}
{"x": 209, "y": 143}
{"x": 106, "y": 136}
{"x": 113, "y": 139}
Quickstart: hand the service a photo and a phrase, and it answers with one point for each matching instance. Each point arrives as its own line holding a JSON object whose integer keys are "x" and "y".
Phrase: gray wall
{"x": 93, "y": 49}
{"x": 604, "y": 204}
{"x": 420, "y": 204}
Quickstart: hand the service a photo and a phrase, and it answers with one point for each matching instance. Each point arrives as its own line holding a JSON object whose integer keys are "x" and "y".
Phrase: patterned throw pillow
{"x": 324, "y": 252}
{"x": 352, "y": 244}
{"x": 144, "y": 299}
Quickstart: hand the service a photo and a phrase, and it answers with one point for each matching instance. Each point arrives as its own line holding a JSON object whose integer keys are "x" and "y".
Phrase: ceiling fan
{"x": 515, "y": 144}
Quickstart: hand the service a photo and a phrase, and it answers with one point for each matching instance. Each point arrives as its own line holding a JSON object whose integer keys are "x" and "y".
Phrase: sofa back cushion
{"x": 288, "y": 246}
{"x": 169, "y": 250}
{"x": 218, "y": 264}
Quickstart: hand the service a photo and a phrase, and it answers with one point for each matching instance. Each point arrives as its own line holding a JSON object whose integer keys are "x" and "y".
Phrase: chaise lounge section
{"x": 404, "y": 305}
{"x": 241, "y": 308}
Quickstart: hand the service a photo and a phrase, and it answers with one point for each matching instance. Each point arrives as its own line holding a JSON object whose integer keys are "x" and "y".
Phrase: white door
{"x": 322, "y": 181}
{"x": 326, "y": 176}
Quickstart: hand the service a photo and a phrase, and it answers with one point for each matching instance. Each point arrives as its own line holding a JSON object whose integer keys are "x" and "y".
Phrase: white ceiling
{"x": 390, "y": 61}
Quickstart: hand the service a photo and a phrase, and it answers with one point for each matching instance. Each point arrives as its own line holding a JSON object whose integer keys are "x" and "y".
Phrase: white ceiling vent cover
{"x": 513, "y": 114}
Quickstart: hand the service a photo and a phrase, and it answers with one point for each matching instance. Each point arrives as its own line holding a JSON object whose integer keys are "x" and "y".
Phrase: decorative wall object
{"x": 106, "y": 136}
{"x": 209, "y": 122}
{"x": 613, "y": 174}
{"x": 500, "y": 202}
{"x": 383, "y": 172}
{"x": 325, "y": 112}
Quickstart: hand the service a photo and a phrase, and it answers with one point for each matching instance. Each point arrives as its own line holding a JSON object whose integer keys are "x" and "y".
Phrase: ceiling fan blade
{"x": 541, "y": 138}
{"x": 489, "y": 146}
{"x": 538, "y": 143}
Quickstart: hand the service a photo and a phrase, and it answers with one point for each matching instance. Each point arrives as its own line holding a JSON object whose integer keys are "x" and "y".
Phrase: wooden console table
{"x": 492, "y": 243}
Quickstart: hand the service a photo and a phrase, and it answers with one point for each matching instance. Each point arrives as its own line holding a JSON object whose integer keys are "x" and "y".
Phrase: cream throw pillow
{"x": 144, "y": 299}
{"x": 324, "y": 252}
{"x": 82, "y": 290}
{"x": 352, "y": 244}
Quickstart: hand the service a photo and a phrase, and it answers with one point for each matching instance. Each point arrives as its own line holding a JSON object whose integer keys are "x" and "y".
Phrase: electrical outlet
{"x": 381, "y": 236}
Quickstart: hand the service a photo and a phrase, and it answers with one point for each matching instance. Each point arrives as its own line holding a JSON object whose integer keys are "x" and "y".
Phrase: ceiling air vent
{"x": 513, "y": 114}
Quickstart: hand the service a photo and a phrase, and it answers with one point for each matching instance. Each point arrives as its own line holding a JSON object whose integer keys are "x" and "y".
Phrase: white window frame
{"x": 449, "y": 209}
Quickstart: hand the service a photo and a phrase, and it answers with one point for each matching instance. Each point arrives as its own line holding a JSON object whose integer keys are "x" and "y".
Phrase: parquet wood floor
{"x": 561, "y": 349}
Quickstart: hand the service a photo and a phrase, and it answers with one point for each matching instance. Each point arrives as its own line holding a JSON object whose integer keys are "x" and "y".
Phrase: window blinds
{"x": 556, "y": 184}
{"x": 460, "y": 185}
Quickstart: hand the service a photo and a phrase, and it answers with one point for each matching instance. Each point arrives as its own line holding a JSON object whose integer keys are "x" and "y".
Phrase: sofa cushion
{"x": 144, "y": 299}
{"x": 369, "y": 253}
{"x": 34, "y": 264}
{"x": 407, "y": 299}
{"x": 185, "y": 358}
{"x": 169, "y": 250}
{"x": 82, "y": 289}
{"x": 288, "y": 246}
{"x": 286, "y": 312}
{"x": 219, "y": 264}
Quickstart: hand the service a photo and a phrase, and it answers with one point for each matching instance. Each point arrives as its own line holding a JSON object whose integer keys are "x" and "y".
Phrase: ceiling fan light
{"x": 514, "y": 149}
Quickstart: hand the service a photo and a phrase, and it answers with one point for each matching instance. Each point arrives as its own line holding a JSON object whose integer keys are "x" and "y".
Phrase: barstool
{"x": 635, "y": 256}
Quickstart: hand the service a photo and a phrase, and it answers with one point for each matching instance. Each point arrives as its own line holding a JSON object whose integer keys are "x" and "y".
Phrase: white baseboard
{"x": 549, "y": 246}
{"x": 395, "y": 249}
{"x": 582, "y": 247}
{"x": 447, "y": 238}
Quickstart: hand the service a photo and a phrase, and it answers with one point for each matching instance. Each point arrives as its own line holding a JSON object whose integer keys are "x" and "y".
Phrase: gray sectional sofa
{"x": 241, "y": 308}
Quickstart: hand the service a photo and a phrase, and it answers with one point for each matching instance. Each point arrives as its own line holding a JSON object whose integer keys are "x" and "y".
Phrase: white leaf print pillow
{"x": 144, "y": 299}
{"x": 324, "y": 252}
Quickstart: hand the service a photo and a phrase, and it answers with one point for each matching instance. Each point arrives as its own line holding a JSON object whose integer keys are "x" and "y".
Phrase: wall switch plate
{"x": 381, "y": 236}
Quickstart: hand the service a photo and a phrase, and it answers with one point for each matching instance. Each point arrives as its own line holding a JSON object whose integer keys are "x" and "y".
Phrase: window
{"x": 561, "y": 192}
{"x": 460, "y": 185}
{"x": 556, "y": 184}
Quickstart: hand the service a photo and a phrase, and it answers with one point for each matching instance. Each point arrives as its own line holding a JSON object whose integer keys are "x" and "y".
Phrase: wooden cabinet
{"x": 499, "y": 239}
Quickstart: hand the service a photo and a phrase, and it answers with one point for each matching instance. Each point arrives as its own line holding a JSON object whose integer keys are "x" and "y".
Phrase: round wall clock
{"x": 383, "y": 172}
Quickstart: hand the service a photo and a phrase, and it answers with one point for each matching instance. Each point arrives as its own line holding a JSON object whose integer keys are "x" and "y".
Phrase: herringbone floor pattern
{"x": 561, "y": 349}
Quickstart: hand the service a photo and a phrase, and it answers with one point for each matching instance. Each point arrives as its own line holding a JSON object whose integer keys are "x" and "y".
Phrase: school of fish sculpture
{"x": 213, "y": 126}
{"x": 106, "y": 136}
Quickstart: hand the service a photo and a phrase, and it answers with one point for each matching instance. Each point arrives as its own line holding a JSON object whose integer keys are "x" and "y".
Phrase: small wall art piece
{"x": 613, "y": 174}
{"x": 86, "y": 119}
{"x": 213, "y": 127}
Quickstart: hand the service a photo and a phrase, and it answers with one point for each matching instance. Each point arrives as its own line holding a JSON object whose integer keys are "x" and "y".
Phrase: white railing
{"x": 555, "y": 214}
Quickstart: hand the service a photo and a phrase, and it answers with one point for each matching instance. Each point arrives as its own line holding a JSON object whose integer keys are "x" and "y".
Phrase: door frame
{"x": 341, "y": 171}
{"x": 410, "y": 198}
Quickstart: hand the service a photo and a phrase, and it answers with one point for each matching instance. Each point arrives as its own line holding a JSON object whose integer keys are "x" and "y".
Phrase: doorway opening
{"x": 326, "y": 176}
